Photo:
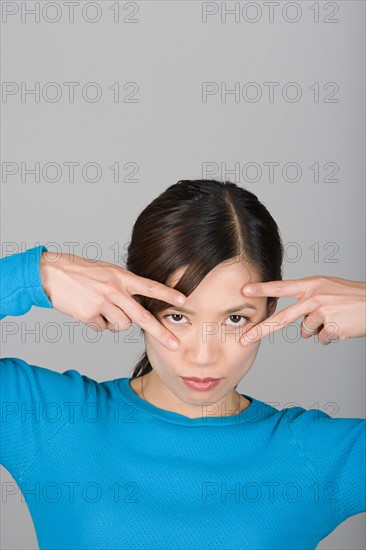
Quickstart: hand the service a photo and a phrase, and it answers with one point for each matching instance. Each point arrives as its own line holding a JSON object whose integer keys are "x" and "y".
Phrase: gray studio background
{"x": 161, "y": 129}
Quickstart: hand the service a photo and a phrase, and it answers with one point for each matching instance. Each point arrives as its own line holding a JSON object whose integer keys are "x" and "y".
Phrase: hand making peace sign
{"x": 332, "y": 308}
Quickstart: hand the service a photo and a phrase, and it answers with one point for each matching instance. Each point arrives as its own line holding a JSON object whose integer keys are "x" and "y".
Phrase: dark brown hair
{"x": 200, "y": 224}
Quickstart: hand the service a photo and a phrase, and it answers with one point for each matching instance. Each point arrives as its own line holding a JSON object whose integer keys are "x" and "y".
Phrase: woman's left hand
{"x": 333, "y": 307}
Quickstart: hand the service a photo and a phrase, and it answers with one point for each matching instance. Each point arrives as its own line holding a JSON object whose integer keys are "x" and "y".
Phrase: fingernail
{"x": 180, "y": 299}
{"x": 173, "y": 344}
{"x": 246, "y": 342}
{"x": 249, "y": 289}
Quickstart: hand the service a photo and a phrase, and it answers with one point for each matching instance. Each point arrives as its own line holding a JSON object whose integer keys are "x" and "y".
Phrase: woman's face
{"x": 209, "y": 343}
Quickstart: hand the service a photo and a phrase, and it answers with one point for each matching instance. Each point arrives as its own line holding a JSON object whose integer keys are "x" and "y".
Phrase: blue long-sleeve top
{"x": 100, "y": 468}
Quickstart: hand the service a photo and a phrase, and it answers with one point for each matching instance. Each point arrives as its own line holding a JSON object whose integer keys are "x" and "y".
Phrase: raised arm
{"x": 25, "y": 389}
{"x": 97, "y": 293}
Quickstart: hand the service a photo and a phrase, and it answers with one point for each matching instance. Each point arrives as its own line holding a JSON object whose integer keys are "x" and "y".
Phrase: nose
{"x": 203, "y": 346}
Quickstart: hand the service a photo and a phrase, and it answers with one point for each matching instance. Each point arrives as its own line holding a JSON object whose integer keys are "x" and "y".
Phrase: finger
{"x": 311, "y": 322}
{"x": 116, "y": 319}
{"x": 328, "y": 333}
{"x": 154, "y": 289}
{"x": 144, "y": 319}
{"x": 98, "y": 324}
{"x": 289, "y": 287}
{"x": 117, "y": 326}
{"x": 277, "y": 321}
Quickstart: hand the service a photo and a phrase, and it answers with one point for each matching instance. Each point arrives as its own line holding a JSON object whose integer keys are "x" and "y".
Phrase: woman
{"x": 159, "y": 460}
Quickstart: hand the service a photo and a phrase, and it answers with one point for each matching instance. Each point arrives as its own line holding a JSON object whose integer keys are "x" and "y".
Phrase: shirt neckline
{"x": 250, "y": 414}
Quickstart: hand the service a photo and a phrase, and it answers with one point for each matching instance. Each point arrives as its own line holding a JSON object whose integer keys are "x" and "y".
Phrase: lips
{"x": 202, "y": 380}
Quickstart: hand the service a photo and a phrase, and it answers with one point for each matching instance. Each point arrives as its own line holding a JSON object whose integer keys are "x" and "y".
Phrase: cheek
{"x": 157, "y": 353}
{"x": 251, "y": 352}
{"x": 243, "y": 354}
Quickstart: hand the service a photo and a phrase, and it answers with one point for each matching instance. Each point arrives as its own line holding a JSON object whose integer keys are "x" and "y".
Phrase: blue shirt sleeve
{"x": 336, "y": 447}
{"x": 35, "y": 402}
{"x": 20, "y": 283}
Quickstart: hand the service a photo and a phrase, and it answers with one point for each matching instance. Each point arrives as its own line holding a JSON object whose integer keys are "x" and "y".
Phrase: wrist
{"x": 47, "y": 260}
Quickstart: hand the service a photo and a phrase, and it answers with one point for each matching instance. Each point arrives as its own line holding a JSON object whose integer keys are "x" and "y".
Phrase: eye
{"x": 237, "y": 324}
{"x": 230, "y": 316}
{"x": 173, "y": 315}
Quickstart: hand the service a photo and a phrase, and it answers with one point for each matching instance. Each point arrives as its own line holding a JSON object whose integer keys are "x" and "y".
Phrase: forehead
{"x": 229, "y": 275}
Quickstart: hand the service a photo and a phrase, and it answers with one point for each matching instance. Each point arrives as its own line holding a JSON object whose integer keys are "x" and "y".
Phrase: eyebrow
{"x": 227, "y": 311}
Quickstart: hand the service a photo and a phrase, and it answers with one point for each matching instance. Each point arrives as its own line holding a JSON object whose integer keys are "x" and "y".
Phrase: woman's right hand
{"x": 100, "y": 294}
